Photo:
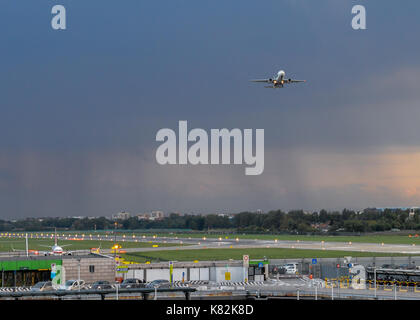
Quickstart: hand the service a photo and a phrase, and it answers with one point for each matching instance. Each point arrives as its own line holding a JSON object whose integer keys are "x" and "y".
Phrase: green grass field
{"x": 6, "y": 244}
{"x": 237, "y": 254}
{"x": 389, "y": 239}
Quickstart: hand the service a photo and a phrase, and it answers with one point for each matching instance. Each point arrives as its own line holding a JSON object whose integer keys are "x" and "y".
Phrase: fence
{"x": 384, "y": 285}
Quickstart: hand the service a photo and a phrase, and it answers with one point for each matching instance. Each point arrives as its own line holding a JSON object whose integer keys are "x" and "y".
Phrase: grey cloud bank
{"x": 80, "y": 110}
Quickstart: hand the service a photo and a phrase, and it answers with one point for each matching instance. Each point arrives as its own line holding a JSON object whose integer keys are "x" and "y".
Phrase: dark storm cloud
{"x": 80, "y": 108}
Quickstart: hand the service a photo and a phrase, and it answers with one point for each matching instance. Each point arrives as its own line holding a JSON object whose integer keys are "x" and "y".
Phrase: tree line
{"x": 295, "y": 222}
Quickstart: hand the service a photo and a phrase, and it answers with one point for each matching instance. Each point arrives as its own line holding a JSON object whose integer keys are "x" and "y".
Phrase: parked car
{"x": 160, "y": 283}
{"x": 291, "y": 268}
{"x": 389, "y": 266}
{"x": 132, "y": 283}
{"x": 407, "y": 266}
{"x": 73, "y": 285}
{"x": 101, "y": 285}
{"x": 43, "y": 286}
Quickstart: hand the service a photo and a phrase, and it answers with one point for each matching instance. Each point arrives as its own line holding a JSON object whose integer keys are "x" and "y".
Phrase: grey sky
{"x": 81, "y": 108}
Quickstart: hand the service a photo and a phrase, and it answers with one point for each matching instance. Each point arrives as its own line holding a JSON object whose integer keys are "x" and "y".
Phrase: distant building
{"x": 411, "y": 210}
{"x": 323, "y": 227}
{"x": 121, "y": 216}
{"x": 154, "y": 215}
{"x": 228, "y": 215}
{"x": 142, "y": 216}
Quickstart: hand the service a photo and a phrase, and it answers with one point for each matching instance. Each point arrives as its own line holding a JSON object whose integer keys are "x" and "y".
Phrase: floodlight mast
{"x": 26, "y": 243}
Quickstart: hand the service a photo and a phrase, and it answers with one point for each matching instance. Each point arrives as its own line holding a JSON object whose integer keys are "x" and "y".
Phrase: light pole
{"x": 78, "y": 273}
{"x": 26, "y": 244}
{"x": 395, "y": 291}
{"x": 115, "y": 250}
{"x": 374, "y": 278}
{"x": 115, "y": 232}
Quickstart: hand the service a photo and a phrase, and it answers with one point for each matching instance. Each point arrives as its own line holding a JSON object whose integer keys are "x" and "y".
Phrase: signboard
{"x": 53, "y": 270}
{"x": 171, "y": 271}
{"x": 245, "y": 260}
{"x": 257, "y": 262}
{"x": 122, "y": 269}
{"x": 57, "y": 273}
{"x": 314, "y": 261}
{"x": 227, "y": 276}
{"x": 260, "y": 265}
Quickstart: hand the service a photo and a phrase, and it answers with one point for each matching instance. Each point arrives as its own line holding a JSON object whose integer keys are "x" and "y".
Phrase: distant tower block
{"x": 412, "y": 212}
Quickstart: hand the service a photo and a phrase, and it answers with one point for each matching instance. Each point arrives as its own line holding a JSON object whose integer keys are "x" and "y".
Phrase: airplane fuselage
{"x": 279, "y": 79}
{"x": 57, "y": 250}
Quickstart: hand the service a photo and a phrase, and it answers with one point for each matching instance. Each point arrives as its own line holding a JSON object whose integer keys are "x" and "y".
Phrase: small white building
{"x": 121, "y": 216}
{"x": 215, "y": 271}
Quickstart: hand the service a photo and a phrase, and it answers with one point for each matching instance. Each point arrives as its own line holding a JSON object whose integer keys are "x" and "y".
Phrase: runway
{"x": 236, "y": 243}
{"x": 212, "y": 243}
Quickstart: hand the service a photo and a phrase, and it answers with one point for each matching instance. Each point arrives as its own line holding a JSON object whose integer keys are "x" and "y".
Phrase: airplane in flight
{"x": 278, "y": 81}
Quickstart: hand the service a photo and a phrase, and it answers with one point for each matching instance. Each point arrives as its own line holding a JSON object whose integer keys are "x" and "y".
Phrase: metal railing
{"x": 144, "y": 292}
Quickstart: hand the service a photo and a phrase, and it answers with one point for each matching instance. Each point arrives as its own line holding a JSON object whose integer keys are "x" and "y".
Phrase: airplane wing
{"x": 65, "y": 245}
{"x": 296, "y": 81}
{"x": 29, "y": 251}
{"x": 42, "y": 245}
{"x": 261, "y": 80}
{"x": 16, "y": 250}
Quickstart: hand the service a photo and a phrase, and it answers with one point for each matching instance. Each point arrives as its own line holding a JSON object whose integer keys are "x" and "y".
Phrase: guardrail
{"x": 327, "y": 294}
{"x": 386, "y": 285}
{"x": 259, "y": 293}
{"x": 144, "y": 292}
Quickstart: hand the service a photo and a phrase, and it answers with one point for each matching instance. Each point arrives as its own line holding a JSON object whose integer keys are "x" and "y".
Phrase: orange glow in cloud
{"x": 396, "y": 170}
